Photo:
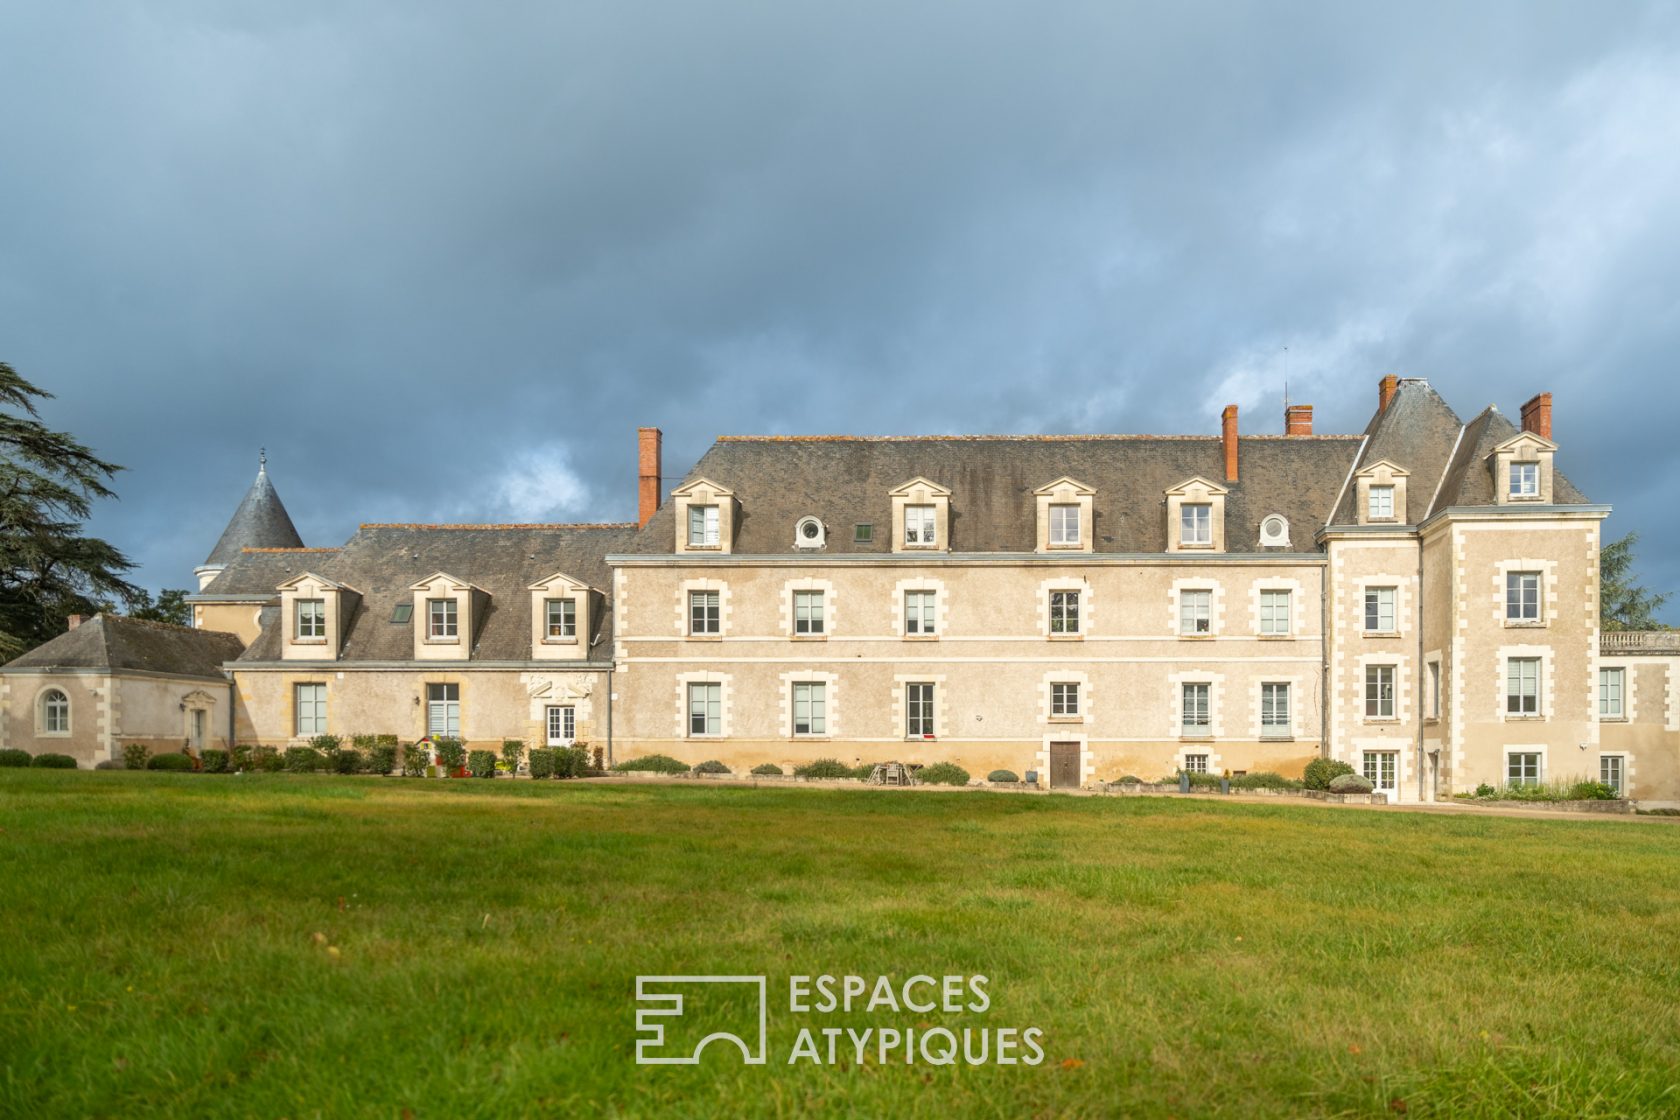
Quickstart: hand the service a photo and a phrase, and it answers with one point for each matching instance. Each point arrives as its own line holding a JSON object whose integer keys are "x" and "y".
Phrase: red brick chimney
{"x": 1385, "y": 391}
{"x": 649, "y": 452}
{"x": 74, "y": 620}
{"x": 1230, "y": 439}
{"x": 1537, "y": 415}
{"x": 1297, "y": 420}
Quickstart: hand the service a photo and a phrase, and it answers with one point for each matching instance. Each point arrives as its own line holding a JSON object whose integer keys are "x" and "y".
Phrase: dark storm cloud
{"x": 443, "y": 264}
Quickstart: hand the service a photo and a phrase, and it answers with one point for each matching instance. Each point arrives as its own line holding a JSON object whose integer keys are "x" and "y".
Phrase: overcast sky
{"x": 442, "y": 259}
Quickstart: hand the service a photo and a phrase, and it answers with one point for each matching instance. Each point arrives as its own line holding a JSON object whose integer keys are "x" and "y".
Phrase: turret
{"x": 261, "y": 521}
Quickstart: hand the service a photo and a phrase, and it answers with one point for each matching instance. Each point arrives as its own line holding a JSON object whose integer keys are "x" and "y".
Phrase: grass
{"x": 278, "y": 945}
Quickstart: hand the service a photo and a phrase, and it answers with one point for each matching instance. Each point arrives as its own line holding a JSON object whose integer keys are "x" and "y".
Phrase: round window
{"x": 809, "y": 530}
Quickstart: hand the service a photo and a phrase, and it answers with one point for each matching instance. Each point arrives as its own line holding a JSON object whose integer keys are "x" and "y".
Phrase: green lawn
{"x": 479, "y": 944}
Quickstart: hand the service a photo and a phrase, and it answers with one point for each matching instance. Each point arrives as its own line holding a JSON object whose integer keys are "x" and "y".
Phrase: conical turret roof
{"x": 261, "y": 521}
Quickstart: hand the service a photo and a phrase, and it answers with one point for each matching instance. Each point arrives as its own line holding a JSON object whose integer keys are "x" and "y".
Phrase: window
{"x": 1380, "y": 503}
{"x": 197, "y": 721}
{"x": 919, "y": 525}
{"x": 1525, "y": 480}
{"x": 55, "y": 712}
{"x": 1195, "y": 710}
{"x": 1434, "y": 690}
{"x": 1522, "y": 686}
{"x": 1195, "y": 763}
{"x": 1274, "y": 711}
{"x": 401, "y": 613}
{"x": 310, "y": 709}
{"x": 1522, "y": 596}
{"x": 703, "y": 616}
{"x": 808, "y": 612}
{"x": 918, "y": 711}
{"x": 1064, "y": 612}
{"x": 1379, "y": 692}
{"x": 562, "y": 725}
{"x": 440, "y": 615}
{"x": 1195, "y": 612}
{"x": 1522, "y": 768}
{"x": 702, "y": 526}
{"x": 863, "y": 533}
{"x": 1274, "y": 613}
{"x": 1379, "y": 610}
{"x": 1064, "y": 699}
{"x": 705, "y": 709}
{"x": 311, "y": 618}
{"x": 1611, "y": 684}
{"x": 918, "y": 612}
{"x": 1610, "y": 772}
{"x": 810, "y": 708}
{"x": 1195, "y": 523}
{"x": 561, "y": 616}
{"x": 1064, "y": 525}
{"x": 443, "y": 710}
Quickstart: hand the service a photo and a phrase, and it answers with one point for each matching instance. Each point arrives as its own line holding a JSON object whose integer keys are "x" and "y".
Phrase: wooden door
{"x": 1064, "y": 765}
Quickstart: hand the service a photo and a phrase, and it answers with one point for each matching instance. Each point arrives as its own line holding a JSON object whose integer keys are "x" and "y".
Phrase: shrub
{"x": 1485, "y": 790}
{"x": 65, "y": 762}
{"x": 481, "y": 764}
{"x": 14, "y": 758}
{"x": 1006, "y": 777}
{"x": 823, "y": 768}
{"x": 169, "y": 762}
{"x": 512, "y": 751}
{"x": 215, "y": 761}
{"x": 303, "y": 760}
{"x": 347, "y": 760}
{"x": 573, "y": 762}
{"x": 451, "y": 754}
{"x": 542, "y": 762}
{"x": 1199, "y": 780}
{"x": 657, "y": 763}
{"x": 599, "y": 754}
{"x": 943, "y": 774}
{"x": 110, "y": 764}
{"x": 1265, "y": 779}
{"x": 267, "y": 760}
{"x": 712, "y": 766}
{"x": 1591, "y": 791}
{"x": 865, "y": 772}
{"x": 135, "y": 755}
{"x": 1320, "y": 771}
{"x": 767, "y": 770}
{"x": 327, "y": 744}
{"x": 1351, "y": 783}
{"x": 380, "y": 757}
{"x": 364, "y": 742}
{"x": 1130, "y": 780}
{"x": 415, "y": 759}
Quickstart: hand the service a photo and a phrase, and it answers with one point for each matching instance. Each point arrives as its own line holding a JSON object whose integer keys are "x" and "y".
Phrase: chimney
{"x": 1230, "y": 439}
{"x": 1537, "y": 415}
{"x": 1385, "y": 391}
{"x": 75, "y": 620}
{"x": 1297, "y": 420}
{"x": 649, "y": 451}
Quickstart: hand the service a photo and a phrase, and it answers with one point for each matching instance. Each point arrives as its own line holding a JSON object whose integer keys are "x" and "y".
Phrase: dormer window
{"x": 1066, "y": 522}
{"x": 921, "y": 517}
{"x": 705, "y": 517}
{"x": 1196, "y": 516}
{"x": 314, "y": 612}
{"x": 1064, "y": 526}
{"x": 1381, "y": 493}
{"x": 703, "y": 526}
{"x": 1525, "y": 480}
{"x": 561, "y": 619}
{"x": 1195, "y": 523}
{"x": 1522, "y": 469}
{"x": 920, "y": 526}
{"x": 441, "y": 620}
{"x": 311, "y": 620}
{"x": 1380, "y": 504}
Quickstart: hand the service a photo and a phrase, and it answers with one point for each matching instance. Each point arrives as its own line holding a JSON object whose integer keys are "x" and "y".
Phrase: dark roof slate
{"x": 261, "y": 521}
{"x": 1469, "y": 480}
{"x": 117, "y": 643}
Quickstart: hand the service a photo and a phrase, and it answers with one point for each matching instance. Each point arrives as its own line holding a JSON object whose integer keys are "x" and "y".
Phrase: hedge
{"x": 657, "y": 763}
{"x": 303, "y": 760}
{"x": 481, "y": 764}
{"x": 135, "y": 755}
{"x": 823, "y": 768}
{"x": 59, "y": 762}
{"x": 14, "y": 758}
{"x": 1320, "y": 771}
{"x": 943, "y": 774}
{"x": 712, "y": 766}
{"x": 169, "y": 762}
{"x": 451, "y": 754}
{"x": 767, "y": 770}
{"x": 1350, "y": 783}
{"x": 215, "y": 761}
{"x": 346, "y": 760}
{"x": 542, "y": 760}
{"x": 1005, "y": 776}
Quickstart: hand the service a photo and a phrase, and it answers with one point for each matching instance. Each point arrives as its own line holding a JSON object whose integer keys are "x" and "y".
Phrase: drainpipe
{"x": 233, "y": 695}
{"x": 609, "y": 718}
{"x": 1417, "y": 673}
{"x": 1324, "y": 656}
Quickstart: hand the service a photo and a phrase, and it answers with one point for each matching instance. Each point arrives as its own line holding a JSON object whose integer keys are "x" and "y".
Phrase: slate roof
{"x": 116, "y": 643}
{"x": 261, "y": 521}
{"x": 383, "y": 562}
{"x": 1469, "y": 480}
{"x": 845, "y": 480}
{"x": 256, "y": 572}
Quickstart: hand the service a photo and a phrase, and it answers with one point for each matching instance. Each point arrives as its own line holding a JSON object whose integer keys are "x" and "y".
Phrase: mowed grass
{"x": 479, "y": 943}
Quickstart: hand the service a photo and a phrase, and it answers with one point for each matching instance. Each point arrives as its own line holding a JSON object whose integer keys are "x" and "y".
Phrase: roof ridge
{"x": 337, "y": 548}
{"x": 510, "y": 525}
{"x": 956, "y": 438}
{"x": 153, "y": 624}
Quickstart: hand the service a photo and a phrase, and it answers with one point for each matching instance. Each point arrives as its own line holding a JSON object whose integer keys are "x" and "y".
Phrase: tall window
{"x": 808, "y": 612}
{"x": 919, "y": 612}
{"x": 1525, "y": 480}
{"x": 705, "y": 709}
{"x": 810, "y": 708}
{"x": 918, "y": 711}
{"x": 1610, "y": 772}
{"x": 1522, "y": 686}
{"x": 440, "y": 618}
{"x": 1611, "y": 690}
{"x": 443, "y": 710}
{"x": 1195, "y": 719}
{"x": 919, "y": 525}
{"x": 1274, "y": 710}
{"x": 1064, "y": 612}
{"x": 703, "y": 612}
{"x": 562, "y": 725}
{"x": 311, "y": 618}
{"x": 1195, "y": 523}
{"x": 55, "y": 712}
{"x": 1379, "y": 610}
{"x": 1064, "y": 524}
{"x": 561, "y": 615}
{"x": 1380, "y": 503}
{"x": 1064, "y": 698}
{"x": 1274, "y": 613}
{"x": 1195, "y": 612}
{"x": 1434, "y": 690}
{"x": 1379, "y": 692}
{"x": 309, "y": 705}
{"x": 702, "y": 526}
{"x": 1522, "y": 596}
{"x": 1522, "y": 768}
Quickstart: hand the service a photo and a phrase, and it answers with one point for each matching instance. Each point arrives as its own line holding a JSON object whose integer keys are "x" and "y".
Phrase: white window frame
{"x": 1434, "y": 689}
{"x": 560, "y": 722}
{"x": 311, "y": 619}
{"x": 809, "y": 617}
{"x": 443, "y": 621}
{"x": 567, "y": 622}
{"x": 920, "y": 710}
{"x": 309, "y": 708}
{"x": 1276, "y": 716}
{"x": 810, "y": 701}
{"x": 1524, "y": 778}
{"x": 1195, "y": 713}
{"x": 1064, "y": 612}
{"x": 1195, "y": 764}
{"x": 921, "y": 621}
{"x": 1195, "y": 523}
{"x": 1522, "y": 596}
{"x": 1612, "y": 771}
{"x": 443, "y": 709}
{"x": 1271, "y": 625}
{"x": 1379, "y": 503}
{"x": 708, "y": 695}
{"x": 1380, "y": 686}
{"x": 1524, "y": 478}
{"x": 921, "y": 526}
{"x": 1380, "y": 598}
{"x": 1064, "y": 700}
{"x": 55, "y": 712}
{"x": 1064, "y": 525}
{"x": 705, "y": 612}
{"x": 1195, "y": 612}
{"x": 1521, "y": 701}
{"x": 1612, "y": 693}
{"x": 703, "y": 526}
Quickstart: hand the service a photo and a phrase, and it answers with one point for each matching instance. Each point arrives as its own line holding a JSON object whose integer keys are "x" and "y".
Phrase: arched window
{"x": 55, "y": 712}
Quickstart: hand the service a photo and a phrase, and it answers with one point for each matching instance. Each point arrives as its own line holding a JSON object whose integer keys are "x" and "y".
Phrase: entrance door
{"x": 1382, "y": 769}
{"x": 562, "y": 725}
{"x": 1064, "y": 765}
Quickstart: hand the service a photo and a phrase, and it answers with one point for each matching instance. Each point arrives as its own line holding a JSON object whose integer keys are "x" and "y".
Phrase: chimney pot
{"x": 1537, "y": 415}
{"x": 1385, "y": 391}
{"x": 649, "y": 453}
{"x": 1297, "y": 420}
{"x": 74, "y": 620}
{"x": 1229, "y": 437}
